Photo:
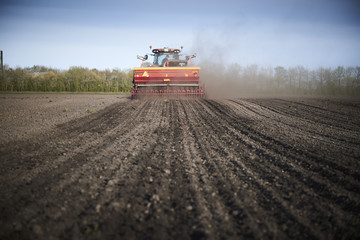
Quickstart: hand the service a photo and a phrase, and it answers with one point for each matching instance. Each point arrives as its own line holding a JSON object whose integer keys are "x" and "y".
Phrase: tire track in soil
{"x": 245, "y": 226}
{"x": 345, "y": 112}
{"x": 251, "y": 179}
{"x": 344, "y": 119}
{"x": 189, "y": 169}
{"x": 310, "y": 166}
{"x": 155, "y": 196}
{"x": 209, "y": 201}
{"x": 73, "y": 164}
{"x": 260, "y": 114}
{"x": 350, "y": 205}
{"x": 303, "y": 122}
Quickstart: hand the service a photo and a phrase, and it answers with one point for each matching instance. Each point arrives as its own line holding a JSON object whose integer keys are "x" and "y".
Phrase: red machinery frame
{"x": 165, "y": 81}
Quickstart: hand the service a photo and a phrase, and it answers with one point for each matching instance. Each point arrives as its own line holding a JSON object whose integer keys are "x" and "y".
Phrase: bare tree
{"x": 339, "y": 74}
{"x": 280, "y": 76}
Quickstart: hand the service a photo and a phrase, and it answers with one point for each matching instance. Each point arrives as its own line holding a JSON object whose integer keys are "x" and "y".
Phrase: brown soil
{"x": 261, "y": 168}
{"x": 22, "y": 116}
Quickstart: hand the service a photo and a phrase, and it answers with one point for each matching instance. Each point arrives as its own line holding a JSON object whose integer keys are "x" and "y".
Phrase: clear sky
{"x": 108, "y": 34}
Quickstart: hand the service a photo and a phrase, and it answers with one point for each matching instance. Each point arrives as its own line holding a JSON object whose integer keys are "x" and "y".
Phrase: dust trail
{"x": 222, "y": 81}
{"x": 220, "y": 78}
{"x": 223, "y": 76}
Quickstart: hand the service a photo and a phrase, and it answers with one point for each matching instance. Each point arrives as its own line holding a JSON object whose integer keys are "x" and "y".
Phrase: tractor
{"x": 170, "y": 74}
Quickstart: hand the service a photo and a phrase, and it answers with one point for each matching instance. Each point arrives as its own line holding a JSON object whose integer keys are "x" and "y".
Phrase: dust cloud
{"x": 222, "y": 79}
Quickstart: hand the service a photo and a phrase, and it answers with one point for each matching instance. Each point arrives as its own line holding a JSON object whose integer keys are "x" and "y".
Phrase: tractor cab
{"x": 168, "y": 57}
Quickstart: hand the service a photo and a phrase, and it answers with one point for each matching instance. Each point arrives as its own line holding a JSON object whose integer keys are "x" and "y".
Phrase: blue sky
{"x": 109, "y": 34}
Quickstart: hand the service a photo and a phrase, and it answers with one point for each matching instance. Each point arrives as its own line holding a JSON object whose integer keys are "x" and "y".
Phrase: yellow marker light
{"x": 166, "y": 79}
{"x": 186, "y": 75}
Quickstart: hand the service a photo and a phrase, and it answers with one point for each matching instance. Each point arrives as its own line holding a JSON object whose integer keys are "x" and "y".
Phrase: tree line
{"x": 293, "y": 80}
{"x": 76, "y": 79}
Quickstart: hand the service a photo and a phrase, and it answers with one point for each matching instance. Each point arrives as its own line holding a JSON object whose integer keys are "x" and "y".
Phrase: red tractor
{"x": 170, "y": 74}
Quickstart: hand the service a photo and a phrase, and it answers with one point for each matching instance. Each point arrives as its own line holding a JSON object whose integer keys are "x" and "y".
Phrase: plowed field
{"x": 261, "y": 168}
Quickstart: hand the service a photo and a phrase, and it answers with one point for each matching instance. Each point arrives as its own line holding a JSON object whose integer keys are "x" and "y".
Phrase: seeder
{"x": 169, "y": 75}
